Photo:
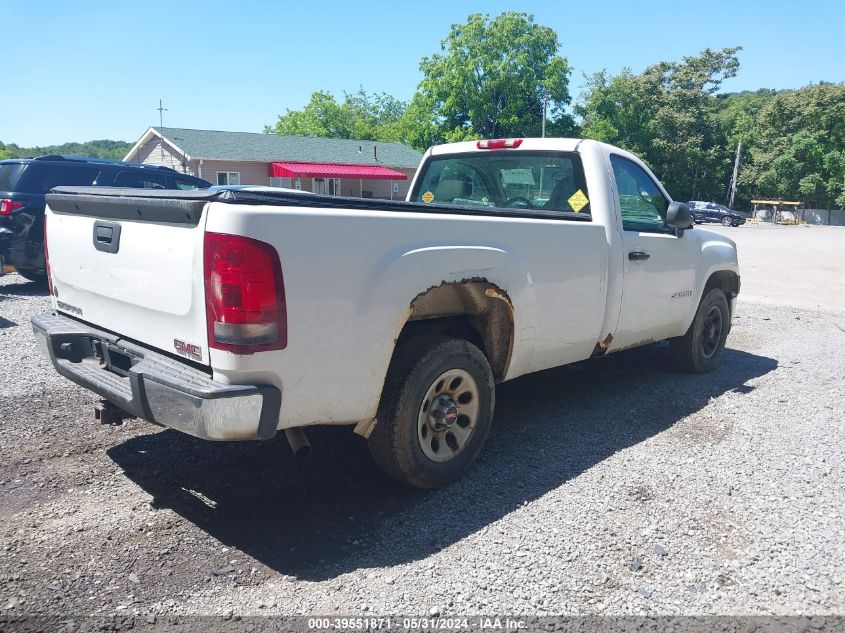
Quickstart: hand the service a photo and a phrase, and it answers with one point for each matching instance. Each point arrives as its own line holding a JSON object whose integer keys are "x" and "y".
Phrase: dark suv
{"x": 712, "y": 212}
{"x": 23, "y": 183}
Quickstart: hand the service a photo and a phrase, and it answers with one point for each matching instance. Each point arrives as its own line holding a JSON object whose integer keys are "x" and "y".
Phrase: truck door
{"x": 658, "y": 267}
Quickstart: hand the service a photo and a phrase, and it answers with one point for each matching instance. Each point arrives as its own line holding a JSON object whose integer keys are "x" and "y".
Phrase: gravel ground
{"x": 797, "y": 266}
{"x": 611, "y": 487}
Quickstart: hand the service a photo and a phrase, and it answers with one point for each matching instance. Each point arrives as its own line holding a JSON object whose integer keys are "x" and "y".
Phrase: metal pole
{"x": 161, "y": 110}
{"x": 733, "y": 178}
{"x": 545, "y": 104}
{"x": 543, "y": 135}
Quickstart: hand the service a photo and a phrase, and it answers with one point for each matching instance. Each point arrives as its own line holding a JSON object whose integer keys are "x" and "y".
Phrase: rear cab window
{"x": 542, "y": 183}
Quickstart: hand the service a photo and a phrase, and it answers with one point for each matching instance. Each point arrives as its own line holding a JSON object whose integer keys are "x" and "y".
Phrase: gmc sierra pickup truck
{"x": 231, "y": 315}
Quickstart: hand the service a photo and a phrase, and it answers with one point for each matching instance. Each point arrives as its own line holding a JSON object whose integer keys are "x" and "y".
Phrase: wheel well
{"x": 474, "y": 310}
{"x": 726, "y": 280}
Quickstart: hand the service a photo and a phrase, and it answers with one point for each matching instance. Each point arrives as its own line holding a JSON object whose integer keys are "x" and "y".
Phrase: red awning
{"x": 328, "y": 170}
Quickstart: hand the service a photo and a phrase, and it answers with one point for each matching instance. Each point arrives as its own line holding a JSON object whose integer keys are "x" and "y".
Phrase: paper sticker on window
{"x": 518, "y": 177}
{"x": 427, "y": 196}
{"x": 578, "y": 201}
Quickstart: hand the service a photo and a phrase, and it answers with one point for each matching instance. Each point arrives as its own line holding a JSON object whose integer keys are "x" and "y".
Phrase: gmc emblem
{"x": 194, "y": 352}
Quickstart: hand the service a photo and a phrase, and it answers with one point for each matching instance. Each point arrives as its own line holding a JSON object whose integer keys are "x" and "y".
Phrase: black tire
{"x": 700, "y": 349}
{"x": 735, "y": 223}
{"x": 727, "y": 221}
{"x": 33, "y": 276}
{"x": 396, "y": 440}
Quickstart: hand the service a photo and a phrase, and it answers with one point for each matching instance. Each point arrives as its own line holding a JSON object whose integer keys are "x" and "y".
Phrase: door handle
{"x": 637, "y": 256}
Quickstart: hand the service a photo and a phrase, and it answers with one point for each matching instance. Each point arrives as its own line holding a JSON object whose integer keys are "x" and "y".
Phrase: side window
{"x": 642, "y": 204}
{"x": 185, "y": 184}
{"x": 140, "y": 180}
{"x": 70, "y": 176}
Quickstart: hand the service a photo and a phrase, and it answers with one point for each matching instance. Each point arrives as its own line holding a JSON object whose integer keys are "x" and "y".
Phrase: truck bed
{"x": 352, "y": 270}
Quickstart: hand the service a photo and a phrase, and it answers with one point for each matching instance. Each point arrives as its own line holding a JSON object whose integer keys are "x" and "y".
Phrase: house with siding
{"x": 344, "y": 167}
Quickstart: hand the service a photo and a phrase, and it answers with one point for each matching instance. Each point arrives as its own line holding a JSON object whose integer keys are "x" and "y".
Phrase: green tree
{"x": 361, "y": 115}
{"x": 799, "y": 146}
{"x": 668, "y": 116}
{"x": 91, "y": 149}
{"x": 490, "y": 80}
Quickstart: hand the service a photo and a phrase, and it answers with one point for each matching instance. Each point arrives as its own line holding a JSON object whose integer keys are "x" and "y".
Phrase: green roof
{"x": 216, "y": 145}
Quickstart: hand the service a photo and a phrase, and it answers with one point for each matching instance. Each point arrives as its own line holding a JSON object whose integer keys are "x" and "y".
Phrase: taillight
{"x": 499, "y": 143}
{"x": 7, "y": 206}
{"x": 244, "y": 295}
{"x": 47, "y": 261}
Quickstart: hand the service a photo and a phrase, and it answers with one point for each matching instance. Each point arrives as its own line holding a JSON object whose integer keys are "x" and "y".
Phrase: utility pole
{"x": 161, "y": 111}
{"x": 733, "y": 178}
{"x": 545, "y": 106}
{"x": 543, "y": 135}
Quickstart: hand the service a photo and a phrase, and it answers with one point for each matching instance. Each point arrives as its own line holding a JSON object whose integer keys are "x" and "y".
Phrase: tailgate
{"x": 131, "y": 262}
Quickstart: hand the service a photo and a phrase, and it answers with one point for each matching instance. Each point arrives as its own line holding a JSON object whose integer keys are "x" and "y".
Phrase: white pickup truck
{"x": 231, "y": 315}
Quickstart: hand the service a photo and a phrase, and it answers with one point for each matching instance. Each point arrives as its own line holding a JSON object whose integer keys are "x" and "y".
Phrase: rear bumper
{"x": 155, "y": 387}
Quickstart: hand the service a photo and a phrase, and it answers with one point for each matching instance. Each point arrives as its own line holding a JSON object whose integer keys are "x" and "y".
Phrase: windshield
{"x": 9, "y": 176}
{"x": 542, "y": 182}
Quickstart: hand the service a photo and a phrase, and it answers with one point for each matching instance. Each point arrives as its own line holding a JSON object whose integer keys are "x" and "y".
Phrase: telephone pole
{"x": 161, "y": 110}
{"x": 545, "y": 106}
{"x": 733, "y": 178}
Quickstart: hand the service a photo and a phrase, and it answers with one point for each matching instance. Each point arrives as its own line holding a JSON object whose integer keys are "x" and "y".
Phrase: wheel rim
{"x": 726, "y": 221}
{"x": 711, "y": 332}
{"x": 448, "y": 415}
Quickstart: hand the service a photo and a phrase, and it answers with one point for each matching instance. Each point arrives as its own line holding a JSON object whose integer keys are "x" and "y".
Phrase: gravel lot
{"x": 610, "y": 487}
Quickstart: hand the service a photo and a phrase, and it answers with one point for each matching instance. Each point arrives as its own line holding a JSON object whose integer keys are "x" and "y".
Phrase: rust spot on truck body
{"x": 487, "y": 307}
{"x": 601, "y": 346}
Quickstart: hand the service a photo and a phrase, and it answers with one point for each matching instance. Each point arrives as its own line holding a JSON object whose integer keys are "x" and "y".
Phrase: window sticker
{"x": 518, "y": 177}
{"x": 427, "y": 196}
{"x": 578, "y": 201}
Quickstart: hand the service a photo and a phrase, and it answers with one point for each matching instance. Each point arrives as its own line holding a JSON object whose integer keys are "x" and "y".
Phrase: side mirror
{"x": 679, "y": 217}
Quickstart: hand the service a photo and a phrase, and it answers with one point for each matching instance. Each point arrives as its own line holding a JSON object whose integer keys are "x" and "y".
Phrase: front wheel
{"x": 726, "y": 221}
{"x": 436, "y": 411}
{"x": 700, "y": 349}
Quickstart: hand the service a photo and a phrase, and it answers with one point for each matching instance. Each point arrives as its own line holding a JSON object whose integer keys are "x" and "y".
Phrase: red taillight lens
{"x": 499, "y": 143}
{"x": 7, "y": 206}
{"x": 244, "y": 295}
{"x": 47, "y": 261}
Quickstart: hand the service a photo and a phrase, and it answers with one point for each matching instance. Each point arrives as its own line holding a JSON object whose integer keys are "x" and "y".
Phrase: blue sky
{"x": 77, "y": 71}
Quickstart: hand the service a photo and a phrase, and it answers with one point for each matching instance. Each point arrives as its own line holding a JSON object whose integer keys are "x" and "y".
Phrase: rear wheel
{"x": 436, "y": 411}
{"x": 700, "y": 349}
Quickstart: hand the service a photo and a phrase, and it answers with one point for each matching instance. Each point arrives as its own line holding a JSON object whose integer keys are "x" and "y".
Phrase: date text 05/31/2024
{"x": 411, "y": 624}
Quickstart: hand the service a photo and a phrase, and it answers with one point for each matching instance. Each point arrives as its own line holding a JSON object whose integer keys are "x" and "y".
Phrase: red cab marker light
{"x": 499, "y": 143}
